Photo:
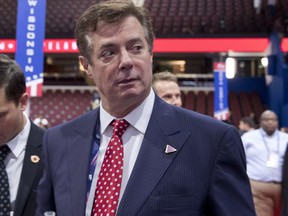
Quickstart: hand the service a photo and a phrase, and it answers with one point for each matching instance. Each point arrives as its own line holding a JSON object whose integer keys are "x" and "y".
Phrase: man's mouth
{"x": 127, "y": 81}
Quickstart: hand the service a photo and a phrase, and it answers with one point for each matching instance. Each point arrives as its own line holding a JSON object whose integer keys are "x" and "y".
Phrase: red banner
{"x": 162, "y": 45}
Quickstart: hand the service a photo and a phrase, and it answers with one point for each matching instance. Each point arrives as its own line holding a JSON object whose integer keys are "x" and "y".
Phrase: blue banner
{"x": 275, "y": 55}
{"x": 221, "y": 109}
{"x": 30, "y": 39}
{"x": 277, "y": 88}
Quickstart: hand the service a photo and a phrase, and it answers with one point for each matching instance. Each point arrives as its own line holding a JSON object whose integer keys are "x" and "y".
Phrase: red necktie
{"x": 110, "y": 177}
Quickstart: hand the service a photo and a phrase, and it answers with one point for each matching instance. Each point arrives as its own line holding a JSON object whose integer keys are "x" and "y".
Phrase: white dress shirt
{"x": 132, "y": 140}
{"x": 258, "y": 148}
{"x": 14, "y": 160}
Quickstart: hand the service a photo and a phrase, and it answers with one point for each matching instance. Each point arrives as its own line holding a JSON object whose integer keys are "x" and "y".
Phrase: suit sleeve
{"x": 230, "y": 191}
{"x": 284, "y": 211}
{"x": 45, "y": 197}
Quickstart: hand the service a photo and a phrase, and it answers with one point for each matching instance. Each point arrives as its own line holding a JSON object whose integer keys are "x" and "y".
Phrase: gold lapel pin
{"x": 34, "y": 159}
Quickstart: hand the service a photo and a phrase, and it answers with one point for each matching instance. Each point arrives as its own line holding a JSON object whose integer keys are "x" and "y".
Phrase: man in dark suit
{"x": 176, "y": 162}
{"x": 23, "y": 141}
{"x": 284, "y": 211}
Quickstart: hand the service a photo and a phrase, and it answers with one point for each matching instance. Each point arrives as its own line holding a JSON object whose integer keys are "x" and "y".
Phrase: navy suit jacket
{"x": 25, "y": 204}
{"x": 284, "y": 211}
{"x": 206, "y": 175}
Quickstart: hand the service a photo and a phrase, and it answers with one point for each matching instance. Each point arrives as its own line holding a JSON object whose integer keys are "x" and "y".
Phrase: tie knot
{"x": 4, "y": 151}
{"x": 119, "y": 126}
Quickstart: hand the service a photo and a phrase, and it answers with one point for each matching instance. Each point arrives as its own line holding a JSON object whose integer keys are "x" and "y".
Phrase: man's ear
{"x": 23, "y": 103}
{"x": 85, "y": 64}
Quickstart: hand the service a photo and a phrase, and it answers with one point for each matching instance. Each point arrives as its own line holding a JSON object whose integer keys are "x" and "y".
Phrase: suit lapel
{"x": 152, "y": 160}
{"x": 29, "y": 170}
{"x": 79, "y": 150}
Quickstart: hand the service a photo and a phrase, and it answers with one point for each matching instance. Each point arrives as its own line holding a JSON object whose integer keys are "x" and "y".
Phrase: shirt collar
{"x": 266, "y": 135}
{"x": 138, "y": 118}
{"x": 18, "y": 143}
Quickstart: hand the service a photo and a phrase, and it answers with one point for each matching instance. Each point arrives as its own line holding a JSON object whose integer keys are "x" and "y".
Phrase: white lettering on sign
{"x": 32, "y": 3}
{"x": 30, "y": 36}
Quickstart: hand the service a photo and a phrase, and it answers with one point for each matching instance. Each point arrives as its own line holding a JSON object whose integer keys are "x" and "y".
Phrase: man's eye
{"x": 137, "y": 48}
{"x": 167, "y": 96}
{"x": 2, "y": 114}
{"x": 107, "y": 53}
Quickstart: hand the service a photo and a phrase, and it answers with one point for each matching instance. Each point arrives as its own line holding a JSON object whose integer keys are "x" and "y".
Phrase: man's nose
{"x": 176, "y": 101}
{"x": 126, "y": 60}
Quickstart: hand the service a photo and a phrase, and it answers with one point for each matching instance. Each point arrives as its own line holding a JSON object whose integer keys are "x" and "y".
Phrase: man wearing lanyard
{"x": 265, "y": 149}
{"x": 154, "y": 159}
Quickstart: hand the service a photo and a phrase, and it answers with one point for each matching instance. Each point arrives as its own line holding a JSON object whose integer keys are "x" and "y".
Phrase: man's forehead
{"x": 105, "y": 27}
{"x": 269, "y": 115}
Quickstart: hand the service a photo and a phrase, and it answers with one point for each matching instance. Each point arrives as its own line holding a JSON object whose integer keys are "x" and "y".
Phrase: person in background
{"x": 265, "y": 148}
{"x": 257, "y": 5}
{"x": 254, "y": 118}
{"x": 20, "y": 144}
{"x": 246, "y": 124}
{"x": 95, "y": 102}
{"x": 228, "y": 119}
{"x": 284, "y": 129}
{"x": 165, "y": 85}
{"x": 271, "y": 4}
{"x": 284, "y": 209}
{"x": 41, "y": 122}
{"x": 161, "y": 160}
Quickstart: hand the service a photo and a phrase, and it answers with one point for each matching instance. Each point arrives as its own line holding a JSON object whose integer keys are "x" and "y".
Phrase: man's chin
{"x": 132, "y": 93}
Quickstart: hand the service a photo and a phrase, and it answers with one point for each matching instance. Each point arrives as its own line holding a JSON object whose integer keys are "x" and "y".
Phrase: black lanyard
{"x": 266, "y": 145}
